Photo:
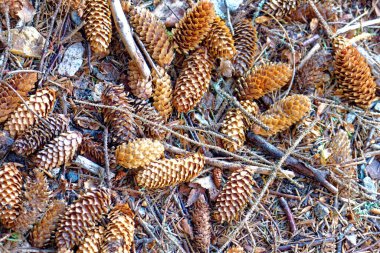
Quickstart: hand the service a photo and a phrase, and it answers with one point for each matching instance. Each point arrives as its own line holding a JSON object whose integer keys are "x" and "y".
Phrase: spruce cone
{"x": 92, "y": 241}
{"x": 283, "y": 114}
{"x": 139, "y": 153}
{"x": 14, "y": 7}
{"x": 10, "y": 192}
{"x": 262, "y": 80}
{"x": 170, "y": 172}
{"x": 245, "y": 43}
{"x": 23, "y": 82}
{"x": 41, "y": 103}
{"x": 194, "y": 26}
{"x": 59, "y": 151}
{"x": 193, "y": 81}
{"x": 202, "y": 224}
{"x": 118, "y": 236}
{"x": 37, "y": 136}
{"x": 217, "y": 176}
{"x": 281, "y": 8}
{"x": 80, "y": 217}
{"x": 98, "y": 26}
{"x": 140, "y": 87}
{"x": 234, "y": 196}
{"x": 95, "y": 152}
{"x": 162, "y": 95}
{"x": 236, "y": 249}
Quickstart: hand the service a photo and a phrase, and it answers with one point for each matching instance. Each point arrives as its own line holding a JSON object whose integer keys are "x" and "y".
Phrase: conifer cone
{"x": 95, "y": 152}
{"x": 59, "y": 151}
{"x": 234, "y": 196}
{"x": 40, "y": 134}
{"x": 193, "y": 81}
{"x": 217, "y": 176}
{"x": 202, "y": 225}
{"x": 236, "y": 249}
{"x": 170, "y": 172}
{"x": 43, "y": 230}
{"x": 162, "y": 95}
{"x": 118, "y": 236}
{"x": 122, "y": 125}
{"x": 140, "y": 87}
{"x": 92, "y": 241}
{"x": 281, "y": 8}
{"x": 283, "y": 114}
{"x": 14, "y": 6}
{"x": 245, "y": 43}
{"x": 262, "y": 80}
{"x": 194, "y": 26}
{"x": 98, "y": 26}
{"x": 41, "y": 103}
{"x": 80, "y": 217}
{"x": 10, "y": 193}
{"x": 139, "y": 153}
{"x": 23, "y": 82}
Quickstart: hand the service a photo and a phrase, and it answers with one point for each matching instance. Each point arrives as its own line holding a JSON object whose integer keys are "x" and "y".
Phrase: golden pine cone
{"x": 140, "y": 87}
{"x": 59, "y": 151}
{"x": 139, "y": 153}
{"x": 23, "y": 82}
{"x": 245, "y": 43}
{"x": 153, "y": 34}
{"x": 283, "y": 114}
{"x": 162, "y": 95}
{"x": 43, "y": 230}
{"x": 281, "y": 8}
{"x": 14, "y": 6}
{"x": 92, "y": 241}
{"x": 234, "y": 196}
{"x": 236, "y": 249}
{"x": 202, "y": 224}
{"x": 118, "y": 236}
{"x": 219, "y": 41}
{"x": 42, "y": 103}
{"x": 170, "y": 172}
{"x": 95, "y": 152}
{"x": 35, "y": 137}
{"x": 194, "y": 26}
{"x": 98, "y": 26}
{"x": 193, "y": 81}
{"x": 339, "y": 42}
{"x": 262, "y": 80}
{"x": 355, "y": 81}
{"x": 80, "y": 217}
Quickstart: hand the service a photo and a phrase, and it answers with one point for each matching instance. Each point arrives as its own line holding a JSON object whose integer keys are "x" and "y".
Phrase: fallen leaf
{"x": 314, "y": 24}
{"x": 184, "y": 226}
{"x": 193, "y": 196}
{"x": 205, "y": 182}
{"x": 373, "y": 169}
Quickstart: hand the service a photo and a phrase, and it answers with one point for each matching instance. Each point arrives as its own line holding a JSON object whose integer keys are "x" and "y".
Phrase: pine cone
{"x": 139, "y": 153}
{"x": 43, "y": 230}
{"x": 340, "y": 146}
{"x": 98, "y": 26}
{"x": 40, "y": 134}
{"x": 194, "y": 26}
{"x": 283, "y": 114}
{"x": 80, "y": 217}
{"x": 170, "y": 172}
{"x": 219, "y": 41}
{"x": 217, "y": 176}
{"x": 140, "y": 87}
{"x": 245, "y": 43}
{"x": 92, "y": 241}
{"x": 153, "y": 34}
{"x": 262, "y": 80}
{"x": 234, "y": 196}
{"x": 23, "y": 82}
{"x": 118, "y": 236}
{"x": 42, "y": 103}
{"x": 236, "y": 249}
{"x": 14, "y": 7}
{"x": 95, "y": 152}
{"x": 355, "y": 81}
{"x": 59, "y": 151}
{"x": 10, "y": 193}
{"x": 193, "y": 81}
{"x": 162, "y": 95}
{"x": 281, "y": 8}
{"x": 202, "y": 224}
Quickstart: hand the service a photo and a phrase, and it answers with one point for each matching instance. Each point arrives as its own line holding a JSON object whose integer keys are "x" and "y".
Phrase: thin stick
{"x": 310, "y": 54}
{"x": 146, "y": 54}
{"x": 106, "y": 157}
{"x": 320, "y": 17}
{"x": 289, "y": 215}
{"x": 358, "y": 25}
{"x": 72, "y": 33}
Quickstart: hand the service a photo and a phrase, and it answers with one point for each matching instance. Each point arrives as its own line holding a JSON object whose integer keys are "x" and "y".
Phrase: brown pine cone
{"x": 193, "y": 81}
{"x": 340, "y": 42}
{"x": 80, "y": 217}
{"x": 202, "y": 225}
{"x": 262, "y": 80}
{"x": 10, "y": 193}
{"x": 92, "y": 241}
{"x": 23, "y": 82}
{"x": 95, "y": 152}
{"x": 245, "y": 43}
{"x": 340, "y": 147}
{"x": 283, "y": 114}
{"x": 236, "y": 249}
{"x": 98, "y": 26}
{"x": 281, "y": 8}
{"x": 14, "y": 7}
{"x": 118, "y": 236}
{"x": 170, "y": 172}
{"x": 162, "y": 95}
{"x": 140, "y": 87}
{"x": 59, "y": 151}
{"x": 40, "y": 134}
{"x": 42, "y": 103}
{"x": 139, "y": 153}
{"x": 194, "y": 26}
{"x": 234, "y": 196}
{"x": 217, "y": 176}
{"x": 43, "y": 230}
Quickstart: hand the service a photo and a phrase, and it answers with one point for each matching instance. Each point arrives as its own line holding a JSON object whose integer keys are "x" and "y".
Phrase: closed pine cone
{"x": 118, "y": 236}
{"x": 59, "y": 151}
{"x": 262, "y": 80}
{"x": 14, "y": 6}
{"x": 162, "y": 95}
{"x": 41, "y": 103}
{"x": 281, "y": 8}
{"x": 140, "y": 87}
{"x": 170, "y": 172}
{"x": 193, "y": 81}
{"x": 92, "y": 241}
{"x": 98, "y": 26}
{"x": 245, "y": 43}
{"x": 80, "y": 217}
{"x": 202, "y": 224}
{"x": 235, "y": 249}
{"x": 139, "y": 153}
{"x": 283, "y": 114}
{"x": 194, "y": 26}
{"x": 234, "y": 196}
{"x": 217, "y": 176}
{"x": 95, "y": 152}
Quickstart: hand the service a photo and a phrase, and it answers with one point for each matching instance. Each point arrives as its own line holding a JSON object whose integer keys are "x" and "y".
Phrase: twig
{"x": 310, "y": 54}
{"x": 279, "y": 194}
{"x": 308, "y": 243}
{"x": 106, "y": 157}
{"x": 72, "y": 33}
{"x": 320, "y": 17}
{"x": 289, "y": 215}
{"x": 229, "y": 18}
{"x": 90, "y": 166}
{"x": 9, "y": 40}
{"x": 356, "y": 26}
{"x": 146, "y": 54}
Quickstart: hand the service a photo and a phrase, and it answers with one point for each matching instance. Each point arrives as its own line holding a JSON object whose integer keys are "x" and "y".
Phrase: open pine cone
{"x": 92, "y": 241}
{"x": 281, "y": 8}
{"x": 162, "y": 95}
{"x": 140, "y": 87}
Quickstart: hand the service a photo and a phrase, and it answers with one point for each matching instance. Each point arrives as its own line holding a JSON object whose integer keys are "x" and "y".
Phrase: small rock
{"x": 321, "y": 211}
{"x": 54, "y": 172}
{"x": 97, "y": 92}
{"x": 220, "y": 6}
{"x": 352, "y": 238}
{"x": 72, "y": 176}
{"x": 370, "y": 185}
{"x": 350, "y": 118}
{"x": 377, "y": 106}
{"x": 72, "y": 60}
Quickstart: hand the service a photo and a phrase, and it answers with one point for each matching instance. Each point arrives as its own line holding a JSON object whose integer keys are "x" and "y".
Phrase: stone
{"x": 220, "y": 6}
{"x": 72, "y": 60}
{"x": 370, "y": 185}
{"x": 350, "y": 118}
{"x": 321, "y": 211}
